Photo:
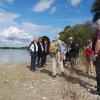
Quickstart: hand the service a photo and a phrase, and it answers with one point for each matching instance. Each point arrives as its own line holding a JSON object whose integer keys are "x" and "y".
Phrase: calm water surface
{"x": 10, "y": 56}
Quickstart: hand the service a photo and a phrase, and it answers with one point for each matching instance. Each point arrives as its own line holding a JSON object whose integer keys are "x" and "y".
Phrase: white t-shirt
{"x": 33, "y": 48}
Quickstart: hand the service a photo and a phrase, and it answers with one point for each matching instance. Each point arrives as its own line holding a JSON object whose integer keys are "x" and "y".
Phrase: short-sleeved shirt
{"x": 60, "y": 46}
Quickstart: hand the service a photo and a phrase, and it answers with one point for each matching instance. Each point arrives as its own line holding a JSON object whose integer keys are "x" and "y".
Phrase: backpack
{"x": 53, "y": 48}
{"x": 88, "y": 52}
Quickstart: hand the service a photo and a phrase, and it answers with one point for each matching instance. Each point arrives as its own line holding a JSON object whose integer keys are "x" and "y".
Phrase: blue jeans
{"x": 33, "y": 60}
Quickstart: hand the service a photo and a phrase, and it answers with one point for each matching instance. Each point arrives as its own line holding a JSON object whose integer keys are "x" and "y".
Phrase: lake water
{"x": 9, "y": 56}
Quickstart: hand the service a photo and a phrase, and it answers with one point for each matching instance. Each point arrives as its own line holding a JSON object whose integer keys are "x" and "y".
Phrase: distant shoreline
{"x": 21, "y": 48}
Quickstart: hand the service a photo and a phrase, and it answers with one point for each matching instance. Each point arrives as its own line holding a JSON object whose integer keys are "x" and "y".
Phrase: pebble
{"x": 88, "y": 90}
{"x": 17, "y": 81}
{"x": 34, "y": 91}
{"x": 44, "y": 98}
{"x": 25, "y": 85}
{"x": 7, "y": 80}
{"x": 52, "y": 84}
{"x": 45, "y": 81}
{"x": 31, "y": 87}
{"x": 3, "y": 73}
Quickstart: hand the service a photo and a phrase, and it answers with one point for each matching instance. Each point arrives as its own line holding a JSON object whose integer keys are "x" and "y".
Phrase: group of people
{"x": 39, "y": 50}
{"x": 61, "y": 52}
{"x": 92, "y": 52}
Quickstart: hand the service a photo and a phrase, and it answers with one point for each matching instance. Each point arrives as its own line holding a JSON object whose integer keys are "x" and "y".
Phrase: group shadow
{"x": 82, "y": 73}
{"x": 73, "y": 79}
{"x": 45, "y": 71}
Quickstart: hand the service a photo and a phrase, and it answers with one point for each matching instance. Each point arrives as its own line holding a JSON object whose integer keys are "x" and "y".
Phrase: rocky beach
{"x": 18, "y": 82}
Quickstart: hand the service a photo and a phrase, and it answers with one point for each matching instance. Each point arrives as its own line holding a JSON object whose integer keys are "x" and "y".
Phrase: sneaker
{"x": 33, "y": 70}
{"x": 92, "y": 74}
{"x": 54, "y": 76}
{"x": 62, "y": 74}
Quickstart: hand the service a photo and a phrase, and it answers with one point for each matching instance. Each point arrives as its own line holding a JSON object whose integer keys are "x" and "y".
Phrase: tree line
{"x": 82, "y": 32}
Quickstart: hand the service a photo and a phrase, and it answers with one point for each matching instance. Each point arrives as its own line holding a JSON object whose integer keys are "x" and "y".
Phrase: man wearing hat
{"x": 71, "y": 51}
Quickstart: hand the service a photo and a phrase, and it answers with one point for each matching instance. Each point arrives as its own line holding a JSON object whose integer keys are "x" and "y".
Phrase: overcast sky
{"x": 23, "y": 20}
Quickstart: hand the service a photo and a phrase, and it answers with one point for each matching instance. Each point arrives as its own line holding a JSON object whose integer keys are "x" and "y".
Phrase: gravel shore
{"x": 19, "y": 83}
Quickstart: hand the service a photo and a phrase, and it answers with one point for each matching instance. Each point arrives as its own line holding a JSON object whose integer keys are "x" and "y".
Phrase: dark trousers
{"x": 40, "y": 60}
{"x": 44, "y": 58}
{"x": 98, "y": 72}
{"x": 33, "y": 60}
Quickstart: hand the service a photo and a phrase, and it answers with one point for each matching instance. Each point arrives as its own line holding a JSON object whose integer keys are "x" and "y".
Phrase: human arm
{"x": 97, "y": 49}
{"x": 32, "y": 48}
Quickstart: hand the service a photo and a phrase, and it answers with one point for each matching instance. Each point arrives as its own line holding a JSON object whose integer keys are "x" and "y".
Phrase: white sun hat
{"x": 70, "y": 38}
{"x": 58, "y": 36}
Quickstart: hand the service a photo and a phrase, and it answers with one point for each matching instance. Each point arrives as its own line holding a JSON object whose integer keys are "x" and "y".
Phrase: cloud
{"x": 8, "y": 19}
{"x": 43, "y": 5}
{"x": 5, "y": 3}
{"x": 37, "y": 30}
{"x": 26, "y": 32}
{"x": 74, "y": 2}
{"x": 14, "y": 34}
{"x": 4, "y": 16}
{"x": 34, "y": 28}
{"x": 10, "y": 1}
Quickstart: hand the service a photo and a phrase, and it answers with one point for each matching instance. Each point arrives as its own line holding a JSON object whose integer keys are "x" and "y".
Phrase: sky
{"x": 23, "y": 20}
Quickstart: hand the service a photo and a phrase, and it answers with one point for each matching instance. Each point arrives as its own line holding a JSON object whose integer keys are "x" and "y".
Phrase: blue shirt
{"x": 60, "y": 46}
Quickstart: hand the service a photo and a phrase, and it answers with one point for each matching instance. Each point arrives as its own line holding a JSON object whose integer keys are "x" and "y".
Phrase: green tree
{"x": 67, "y": 27}
{"x": 96, "y": 10}
{"x": 81, "y": 33}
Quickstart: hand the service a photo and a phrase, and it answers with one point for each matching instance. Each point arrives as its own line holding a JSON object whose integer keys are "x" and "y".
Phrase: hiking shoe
{"x": 62, "y": 74}
{"x": 54, "y": 76}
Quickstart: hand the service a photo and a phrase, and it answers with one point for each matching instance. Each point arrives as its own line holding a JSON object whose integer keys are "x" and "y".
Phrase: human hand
{"x": 95, "y": 56}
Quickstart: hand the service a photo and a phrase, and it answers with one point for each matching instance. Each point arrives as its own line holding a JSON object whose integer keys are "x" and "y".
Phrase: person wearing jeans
{"x": 33, "y": 60}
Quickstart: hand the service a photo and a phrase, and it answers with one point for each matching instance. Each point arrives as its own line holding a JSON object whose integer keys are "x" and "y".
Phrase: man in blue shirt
{"x": 60, "y": 54}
